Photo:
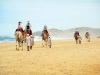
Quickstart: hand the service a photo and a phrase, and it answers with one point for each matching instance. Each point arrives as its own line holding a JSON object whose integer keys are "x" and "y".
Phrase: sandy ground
{"x": 64, "y": 58}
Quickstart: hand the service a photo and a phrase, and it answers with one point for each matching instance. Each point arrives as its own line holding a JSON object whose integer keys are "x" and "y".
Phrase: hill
{"x": 68, "y": 33}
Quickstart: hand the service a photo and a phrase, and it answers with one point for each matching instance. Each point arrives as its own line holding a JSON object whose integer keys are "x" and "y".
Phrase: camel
{"x": 20, "y": 36}
{"x": 76, "y": 37}
{"x": 87, "y": 36}
{"x": 19, "y": 40}
{"x": 44, "y": 38}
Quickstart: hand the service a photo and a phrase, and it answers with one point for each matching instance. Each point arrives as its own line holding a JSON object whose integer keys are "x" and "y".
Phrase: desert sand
{"x": 64, "y": 58}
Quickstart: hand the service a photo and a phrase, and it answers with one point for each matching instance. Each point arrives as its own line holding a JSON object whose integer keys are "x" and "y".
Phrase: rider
{"x": 45, "y": 29}
{"x": 28, "y": 28}
{"x": 76, "y": 31}
{"x": 87, "y": 32}
{"x": 28, "y": 25}
{"x": 19, "y": 27}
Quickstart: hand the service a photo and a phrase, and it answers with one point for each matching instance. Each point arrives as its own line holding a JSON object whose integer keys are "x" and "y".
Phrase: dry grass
{"x": 64, "y": 58}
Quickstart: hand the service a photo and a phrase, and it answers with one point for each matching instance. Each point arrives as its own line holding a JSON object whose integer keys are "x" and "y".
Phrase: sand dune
{"x": 64, "y": 58}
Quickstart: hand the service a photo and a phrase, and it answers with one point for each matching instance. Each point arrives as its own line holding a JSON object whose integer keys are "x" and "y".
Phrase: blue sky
{"x": 59, "y": 14}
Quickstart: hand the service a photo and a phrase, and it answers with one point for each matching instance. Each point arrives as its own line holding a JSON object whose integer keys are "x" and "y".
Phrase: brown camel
{"x": 44, "y": 38}
{"x": 76, "y": 37}
{"x": 19, "y": 39}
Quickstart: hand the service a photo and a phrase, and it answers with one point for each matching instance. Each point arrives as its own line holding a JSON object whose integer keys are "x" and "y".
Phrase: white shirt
{"x": 28, "y": 40}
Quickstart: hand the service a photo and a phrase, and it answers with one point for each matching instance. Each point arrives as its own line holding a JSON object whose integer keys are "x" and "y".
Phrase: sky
{"x": 59, "y": 14}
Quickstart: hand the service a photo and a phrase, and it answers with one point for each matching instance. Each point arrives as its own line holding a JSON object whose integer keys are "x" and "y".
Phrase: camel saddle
{"x": 20, "y": 29}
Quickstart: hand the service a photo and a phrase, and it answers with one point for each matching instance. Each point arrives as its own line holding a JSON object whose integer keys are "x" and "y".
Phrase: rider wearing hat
{"x": 87, "y": 32}
{"x": 28, "y": 28}
{"x": 28, "y": 25}
{"x": 76, "y": 31}
{"x": 20, "y": 26}
{"x": 45, "y": 29}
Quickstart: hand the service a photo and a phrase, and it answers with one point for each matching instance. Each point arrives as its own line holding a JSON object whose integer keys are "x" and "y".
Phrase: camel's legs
{"x": 22, "y": 45}
{"x": 18, "y": 45}
{"x": 16, "y": 41}
{"x": 42, "y": 43}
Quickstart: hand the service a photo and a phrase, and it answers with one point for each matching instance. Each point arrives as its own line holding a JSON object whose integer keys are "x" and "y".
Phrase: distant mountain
{"x": 56, "y": 33}
{"x": 7, "y": 38}
{"x": 69, "y": 33}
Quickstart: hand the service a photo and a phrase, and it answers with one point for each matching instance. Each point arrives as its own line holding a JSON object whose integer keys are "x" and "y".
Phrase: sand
{"x": 64, "y": 58}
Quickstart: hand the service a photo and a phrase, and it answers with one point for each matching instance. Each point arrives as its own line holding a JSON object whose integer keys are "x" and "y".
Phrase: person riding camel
{"x": 28, "y": 25}
{"x": 77, "y": 31}
{"x": 28, "y": 28}
{"x": 87, "y": 32}
{"x": 45, "y": 30}
{"x": 19, "y": 27}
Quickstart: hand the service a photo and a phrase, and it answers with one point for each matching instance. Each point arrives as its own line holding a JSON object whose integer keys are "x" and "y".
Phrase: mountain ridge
{"x": 94, "y": 32}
